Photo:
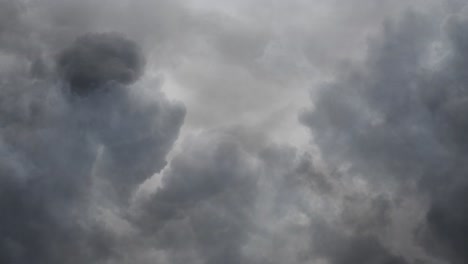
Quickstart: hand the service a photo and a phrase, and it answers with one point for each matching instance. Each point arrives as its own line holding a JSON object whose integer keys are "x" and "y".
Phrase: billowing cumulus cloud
{"x": 98, "y": 165}
{"x": 65, "y": 158}
{"x": 397, "y": 124}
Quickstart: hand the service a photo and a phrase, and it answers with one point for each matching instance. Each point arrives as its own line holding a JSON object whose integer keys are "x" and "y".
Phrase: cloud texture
{"x": 98, "y": 166}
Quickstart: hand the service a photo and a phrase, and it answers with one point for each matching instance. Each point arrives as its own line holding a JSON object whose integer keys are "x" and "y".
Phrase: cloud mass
{"x": 252, "y": 132}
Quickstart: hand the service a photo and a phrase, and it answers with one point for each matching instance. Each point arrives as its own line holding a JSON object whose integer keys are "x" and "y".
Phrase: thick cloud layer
{"x": 93, "y": 170}
{"x": 66, "y": 159}
{"x": 398, "y": 125}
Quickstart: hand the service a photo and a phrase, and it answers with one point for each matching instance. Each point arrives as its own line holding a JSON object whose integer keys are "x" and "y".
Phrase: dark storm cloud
{"x": 399, "y": 122}
{"x": 65, "y": 160}
{"x": 390, "y": 137}
{"x": 97, "y": 59}
{"x": 354, "y": 249}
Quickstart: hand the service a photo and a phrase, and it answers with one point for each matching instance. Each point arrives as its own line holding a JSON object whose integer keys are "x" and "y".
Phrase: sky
{"x": 233, "y": 131}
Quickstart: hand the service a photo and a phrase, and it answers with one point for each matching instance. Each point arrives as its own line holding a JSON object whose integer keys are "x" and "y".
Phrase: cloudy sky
{"x": 233, "y": 131}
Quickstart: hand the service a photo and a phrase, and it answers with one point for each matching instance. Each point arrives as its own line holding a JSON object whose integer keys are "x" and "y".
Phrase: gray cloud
{"x": 210, "y": 190}
{"x": 95, "y": 60}
{"x": 398, "y": 125}
{"x": 381, "y": 182}
{"x": 62, "y": 154}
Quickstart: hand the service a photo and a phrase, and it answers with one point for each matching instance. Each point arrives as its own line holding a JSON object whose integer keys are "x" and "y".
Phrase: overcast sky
{"x": 233, "y": 131}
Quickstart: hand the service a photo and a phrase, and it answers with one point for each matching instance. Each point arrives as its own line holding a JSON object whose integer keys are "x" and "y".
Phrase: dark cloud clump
{"x": 96, "y": 59}
{"x": 355, "y": 249}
